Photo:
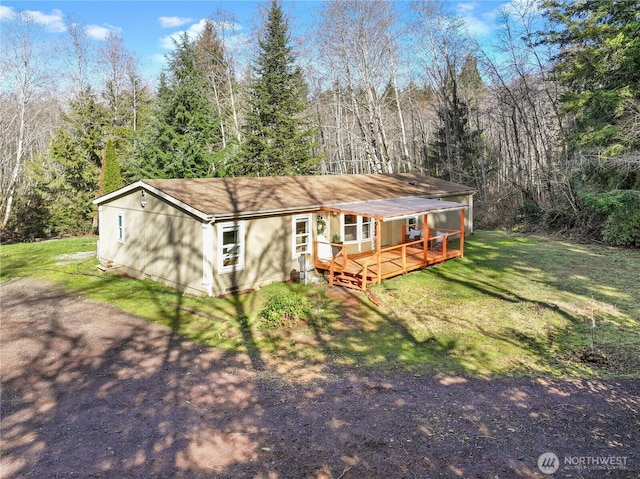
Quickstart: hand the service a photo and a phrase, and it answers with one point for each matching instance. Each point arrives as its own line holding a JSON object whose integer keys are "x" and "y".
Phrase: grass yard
{"x": 515, "y": 305}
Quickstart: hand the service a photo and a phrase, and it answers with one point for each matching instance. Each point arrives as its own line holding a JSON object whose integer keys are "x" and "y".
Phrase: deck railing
{"x": 434, "y": 249}
{"x": 376, "y": 259}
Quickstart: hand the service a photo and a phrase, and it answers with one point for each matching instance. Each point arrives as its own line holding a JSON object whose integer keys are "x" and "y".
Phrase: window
{"x": 350, "y": 228}
{"x": 231, "y": 247}
{"x": 413, "y": 231}
{"x": 357, "y": 228}
{"x": 301, "y": 235}
{"x": 366, "y": 228}
{"x": 120, "y": 227}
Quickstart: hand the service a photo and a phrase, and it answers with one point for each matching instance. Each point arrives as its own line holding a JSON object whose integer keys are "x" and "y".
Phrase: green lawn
{"x": 514, "y": 305}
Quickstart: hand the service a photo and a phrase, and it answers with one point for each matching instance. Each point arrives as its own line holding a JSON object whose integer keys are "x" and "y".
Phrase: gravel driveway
{"x": 89, "y": 391}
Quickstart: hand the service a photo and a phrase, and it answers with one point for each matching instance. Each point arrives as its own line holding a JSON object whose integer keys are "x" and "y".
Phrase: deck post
{"x": 461, "y": 233}
{"x": 404, "y": 259}
{"x": 445, "y": 237}
{"x": 425, "y": 238}
{"x": 378, "y": 248}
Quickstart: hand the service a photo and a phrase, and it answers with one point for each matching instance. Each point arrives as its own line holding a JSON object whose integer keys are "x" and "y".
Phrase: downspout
{"x": 207, "y": 255}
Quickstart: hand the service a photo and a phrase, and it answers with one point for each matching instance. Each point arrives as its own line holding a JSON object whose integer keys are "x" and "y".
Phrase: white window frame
{"x": 120, "y": 227}
{"x": 370, "y": 223}
{"x": 230, "y": 226}
{"x": 343, "y": 227}
{"x": 360, "y": 238}
{"x": 294, "y": 235}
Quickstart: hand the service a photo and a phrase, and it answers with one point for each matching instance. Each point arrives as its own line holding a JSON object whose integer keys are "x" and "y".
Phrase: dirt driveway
{"x": 89, "y": 391}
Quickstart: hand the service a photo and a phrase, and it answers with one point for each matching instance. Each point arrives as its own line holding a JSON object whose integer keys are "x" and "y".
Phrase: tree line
{"x": 545, "y": 128}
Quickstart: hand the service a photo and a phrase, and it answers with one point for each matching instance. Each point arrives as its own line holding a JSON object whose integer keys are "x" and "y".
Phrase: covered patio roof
{"x": 395, "y": 208}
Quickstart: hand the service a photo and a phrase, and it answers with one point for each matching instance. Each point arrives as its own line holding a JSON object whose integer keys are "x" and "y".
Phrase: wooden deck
{"x": 358, "y": 271}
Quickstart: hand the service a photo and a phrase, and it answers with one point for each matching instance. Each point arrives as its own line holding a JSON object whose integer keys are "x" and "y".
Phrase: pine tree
{"x": 70, "y": 180}
{"x": 111, "y": 173}
{"x": 599, "y": 54}
{"x": 278, "y": 135}
{"x": 183, "y": 135}
{"x": 458, "y": 142}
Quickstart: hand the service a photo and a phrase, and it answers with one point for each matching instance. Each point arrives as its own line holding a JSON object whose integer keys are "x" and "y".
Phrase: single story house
{"x": 218, "y": 235}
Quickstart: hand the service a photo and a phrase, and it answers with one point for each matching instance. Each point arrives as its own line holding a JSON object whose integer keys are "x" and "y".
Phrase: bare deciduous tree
{"x": 77, "y": 56}
{"x": 27, "y": 67}
{"x": 525, "y": 124}
{"x": 357, "y": 45}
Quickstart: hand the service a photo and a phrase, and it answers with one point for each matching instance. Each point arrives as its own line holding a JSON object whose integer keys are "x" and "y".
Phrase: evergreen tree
{"x": 183, "y": 134}
{"x": 70, "y": 180}
{"x": 458, "y": 143}
{"x": 599, "y": 63}
{"x": 111, "y": 174}
{"x": 278, "y": 135}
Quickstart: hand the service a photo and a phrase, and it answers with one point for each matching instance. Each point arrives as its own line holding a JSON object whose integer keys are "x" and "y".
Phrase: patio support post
{"x": 378, "y": 248}
{"x": 425, "y": 237}
{"x": 461, "y": 233}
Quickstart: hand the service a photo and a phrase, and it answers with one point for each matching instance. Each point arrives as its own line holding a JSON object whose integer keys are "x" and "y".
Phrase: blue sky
{"x": 146, "y": 27}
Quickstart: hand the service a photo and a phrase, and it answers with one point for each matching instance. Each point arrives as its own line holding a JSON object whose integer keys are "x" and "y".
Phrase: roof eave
{"x": 262, "y": 213}
{"x": 156, "y": 192}
{"x": 412, "y": 215}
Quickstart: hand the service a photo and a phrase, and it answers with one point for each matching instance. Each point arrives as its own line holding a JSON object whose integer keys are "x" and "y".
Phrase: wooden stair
{"x": 347, "y": 280}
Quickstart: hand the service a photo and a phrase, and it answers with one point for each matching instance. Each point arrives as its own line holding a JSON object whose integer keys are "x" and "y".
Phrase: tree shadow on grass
{"x": 125, "y": 398}
{"x": 90, "y": 391}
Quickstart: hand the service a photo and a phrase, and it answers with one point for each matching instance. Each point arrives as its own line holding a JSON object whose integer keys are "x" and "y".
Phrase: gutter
{"x": 263, "y": 213}
{"x": 412, "y": 215}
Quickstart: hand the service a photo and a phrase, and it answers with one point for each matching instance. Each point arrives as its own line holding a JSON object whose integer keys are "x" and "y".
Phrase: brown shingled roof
{"x": 246, "y": 195}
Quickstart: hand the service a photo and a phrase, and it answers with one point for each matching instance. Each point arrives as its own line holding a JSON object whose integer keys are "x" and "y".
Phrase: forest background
{"x": 545, "y": 128}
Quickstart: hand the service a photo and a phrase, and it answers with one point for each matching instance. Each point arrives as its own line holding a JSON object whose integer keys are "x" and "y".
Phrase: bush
{"x": 528, "y": 215}
{"x": 30, "y": 218}
{"x": 560, "y": 219}
{"x": 623, "y": 225}
{"x": 615, "y": 215}
{"x": 284, "y": 309}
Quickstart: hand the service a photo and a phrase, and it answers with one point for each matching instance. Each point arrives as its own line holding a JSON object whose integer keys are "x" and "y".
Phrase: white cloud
{"x": 173, "y": 22}
{"x": 197, "y": 28}
{"x": 53, "y": 22}
{"x": 6, "y": 13}
{"x": 192, "y": 32}
{"x": 100, "y": 32}
{"x": 466, "y": 8}
{"x": 167, "y": 42}
{"x": 478, "y": 24}
{"x": 159, "y": 59}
